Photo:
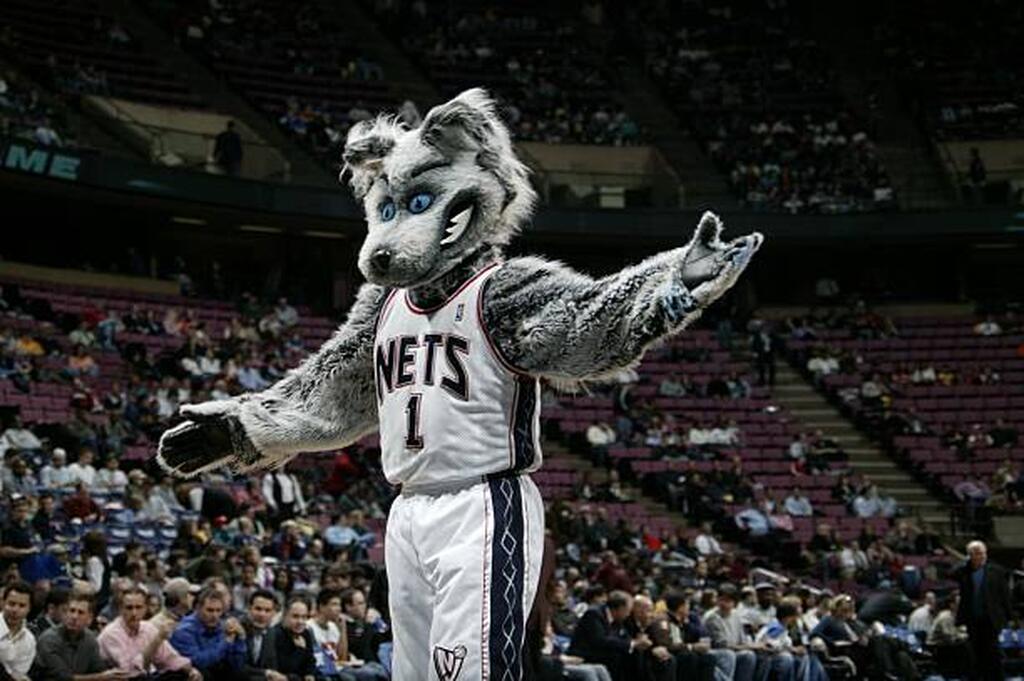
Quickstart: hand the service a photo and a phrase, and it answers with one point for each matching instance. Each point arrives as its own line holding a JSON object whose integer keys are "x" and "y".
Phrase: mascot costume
{"x": 443, "y": 352}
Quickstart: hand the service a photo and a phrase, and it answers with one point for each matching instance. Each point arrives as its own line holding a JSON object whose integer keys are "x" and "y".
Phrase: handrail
{"x": 125, "y": 116}
{"x": 155, "y": 135}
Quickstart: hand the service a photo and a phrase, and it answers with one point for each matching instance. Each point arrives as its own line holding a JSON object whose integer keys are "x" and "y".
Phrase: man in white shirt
{"x": 698, "y": 436}
{"x": 600, "y": 435}
{"x": 823, "y": 365}
{"x": 286, "y": 314}
{"x": 720, "y": 434}
{"x": 83, "y": 470}
{"x": 922, "y": 618}
{"x": 56, "y": 475}
{"x": 924, "y": 374}
{"x": 989, "y": 327}
{"x": 17, "y": 644}
{"x": 283, "y": 494}
{"x": 798, "y": 447}
{"x": 18, "y": 437}
{"x": 111, "y": 478}
{"x": 706, "y": 544}
{"x": 329, "y": 633}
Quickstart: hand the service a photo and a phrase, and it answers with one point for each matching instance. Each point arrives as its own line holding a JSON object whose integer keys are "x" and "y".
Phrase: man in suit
{"x": 763, "y": 345}
{"x": 984, "y": 609}
{"x": 262, "y": 608}
{"x": 656, "y": 663}
{"x": 599, "y": 637}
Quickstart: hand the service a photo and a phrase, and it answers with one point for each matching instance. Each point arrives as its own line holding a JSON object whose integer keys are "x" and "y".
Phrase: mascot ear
{"x": 470, "y": 121}
{"x": 366, "y": 146}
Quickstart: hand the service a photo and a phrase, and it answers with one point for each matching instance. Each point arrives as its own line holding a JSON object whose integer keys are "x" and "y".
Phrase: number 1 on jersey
{"x": 413, "y": 439}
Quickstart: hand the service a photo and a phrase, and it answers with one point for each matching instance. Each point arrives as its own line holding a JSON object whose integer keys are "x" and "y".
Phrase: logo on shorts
{"x": 459, "y": 311}
{"x": 448, "y": 663}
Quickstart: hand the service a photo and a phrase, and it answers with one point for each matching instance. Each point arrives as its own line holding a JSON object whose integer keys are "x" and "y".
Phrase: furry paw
{"x": 705, "y": 254}
{"x": 212, "y": 437}
{"x": 735, "y": 257}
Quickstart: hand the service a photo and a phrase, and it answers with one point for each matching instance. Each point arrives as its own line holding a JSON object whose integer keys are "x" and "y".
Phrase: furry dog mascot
{"x": 443, "y": 352}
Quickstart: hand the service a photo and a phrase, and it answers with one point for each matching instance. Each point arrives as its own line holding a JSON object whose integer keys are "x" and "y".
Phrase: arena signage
{"x": 41, "y": 161}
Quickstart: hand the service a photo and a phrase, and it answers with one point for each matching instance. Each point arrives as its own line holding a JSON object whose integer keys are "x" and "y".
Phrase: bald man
{"x": 984, "y": 609}
{"x": 656, "y": 663}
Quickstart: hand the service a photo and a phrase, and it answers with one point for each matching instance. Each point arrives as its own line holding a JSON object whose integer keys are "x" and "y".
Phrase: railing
{"x": 182, "y": 147}
{"x": 577, "y": 187}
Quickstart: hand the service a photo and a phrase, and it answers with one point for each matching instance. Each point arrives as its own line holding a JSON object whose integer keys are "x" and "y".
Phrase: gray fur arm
{"x": 551, "y": 321}
{"x": 325, "y": 403}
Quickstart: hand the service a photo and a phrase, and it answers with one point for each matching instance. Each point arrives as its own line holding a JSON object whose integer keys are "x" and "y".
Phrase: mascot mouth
{"x": 458, "y": 217}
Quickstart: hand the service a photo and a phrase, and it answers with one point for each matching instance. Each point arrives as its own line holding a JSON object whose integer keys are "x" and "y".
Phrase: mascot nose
{"x": 381, "y": 260}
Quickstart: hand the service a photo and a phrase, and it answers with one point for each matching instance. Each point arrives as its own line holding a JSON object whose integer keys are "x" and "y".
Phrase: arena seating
{"x": 535, "y": 56}
{"x": 600, "y": 540}
{"x": 961, "y": 67}
{"x": 31, "y": 115}
{"x": 766, "y": 433}
{"x": 80, "y": 48}
{"x": 762, "y": 101}
{"x": 985, "y": 383}
{"x": 291, "y": 60}
{"x": 49, "y": 402}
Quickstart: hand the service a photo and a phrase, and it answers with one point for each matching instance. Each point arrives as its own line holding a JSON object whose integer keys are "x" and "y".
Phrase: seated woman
{"x": 875, "y": 656}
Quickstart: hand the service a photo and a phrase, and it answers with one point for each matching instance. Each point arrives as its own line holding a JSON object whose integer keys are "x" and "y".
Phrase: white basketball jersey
{"x": 451, "y": 410}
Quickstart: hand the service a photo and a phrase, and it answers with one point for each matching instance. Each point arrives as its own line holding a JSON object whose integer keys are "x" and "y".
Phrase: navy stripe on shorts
{"x": 507, "y": 573}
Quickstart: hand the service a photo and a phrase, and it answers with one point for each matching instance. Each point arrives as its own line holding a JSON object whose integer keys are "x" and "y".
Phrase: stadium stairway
{"x": 703, "y": 185}
{"x": 800, "y": 398}
{"x": 304, "y": 168}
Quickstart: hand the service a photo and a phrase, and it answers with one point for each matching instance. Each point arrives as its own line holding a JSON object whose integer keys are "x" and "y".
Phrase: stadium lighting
{"x": 263, "y": 229}
{"x": 323, "y": 235}
{"x": 181, "y": 219}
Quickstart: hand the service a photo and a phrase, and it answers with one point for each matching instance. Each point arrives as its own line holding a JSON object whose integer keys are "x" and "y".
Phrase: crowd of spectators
{"x": 130, "y": 573}
{"x": 282, "y": 573}
{"x": 761, "y": 100}
{"x": 83, "y": 50}
{"x": 552, "y": 84}
{"x": 72, "y": 74}
{"x": 141, "y": 390}
{"x": 875, "y": 394}
{"x": 822, "y": 164}
{"x": 258, "y": 45}
{"x": 25, "y": 115}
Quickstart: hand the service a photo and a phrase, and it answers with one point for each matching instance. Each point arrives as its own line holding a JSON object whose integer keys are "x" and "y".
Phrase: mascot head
{"x": 436, "y": 193}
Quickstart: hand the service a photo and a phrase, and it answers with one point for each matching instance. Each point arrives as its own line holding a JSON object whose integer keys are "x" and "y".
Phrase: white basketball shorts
{"x": 463, "y": 567}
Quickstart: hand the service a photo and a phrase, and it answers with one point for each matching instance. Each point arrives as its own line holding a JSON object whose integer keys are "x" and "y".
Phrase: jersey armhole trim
{"x": 492, "y": 346}
{"x": 385, "y": 306}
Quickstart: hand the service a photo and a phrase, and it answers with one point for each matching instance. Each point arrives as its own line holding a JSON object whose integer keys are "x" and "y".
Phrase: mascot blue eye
{"x": 387, "y": 211}
{"x": 420, "y": 202}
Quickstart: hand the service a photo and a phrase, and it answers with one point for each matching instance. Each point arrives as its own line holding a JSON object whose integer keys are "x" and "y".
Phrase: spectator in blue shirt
{"x": 797, "y": 504}
{"x": 215, "y": 648}
{"x": 342, "y": 536}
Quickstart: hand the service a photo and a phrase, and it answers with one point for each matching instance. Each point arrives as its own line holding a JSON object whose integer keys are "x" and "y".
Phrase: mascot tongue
{"x": 457, "y": 225}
